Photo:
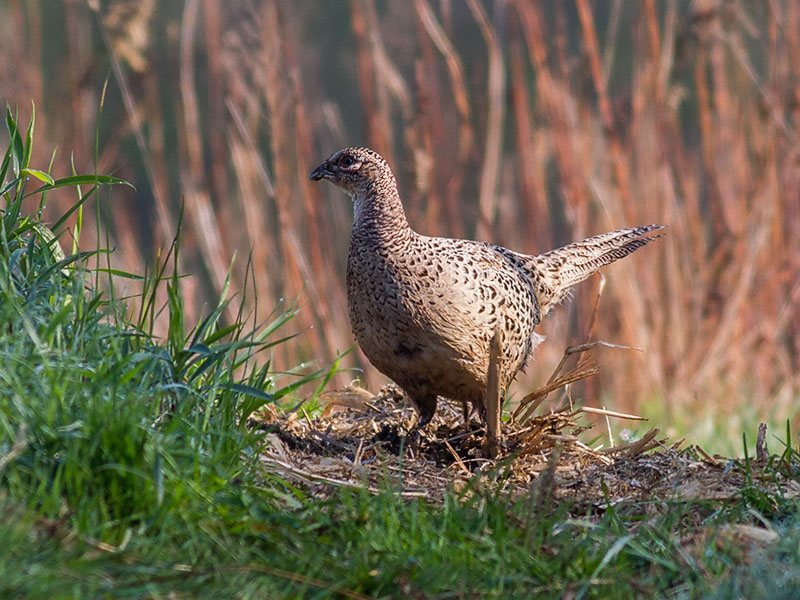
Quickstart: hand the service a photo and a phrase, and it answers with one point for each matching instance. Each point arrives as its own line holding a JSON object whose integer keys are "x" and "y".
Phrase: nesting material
{"x": 368, "y": 442}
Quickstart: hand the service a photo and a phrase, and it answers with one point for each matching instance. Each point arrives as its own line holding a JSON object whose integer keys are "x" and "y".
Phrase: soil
{"x": 366, "y": 441}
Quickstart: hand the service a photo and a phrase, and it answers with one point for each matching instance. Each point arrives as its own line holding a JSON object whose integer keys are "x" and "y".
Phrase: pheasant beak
{"x": 321, "y": 172}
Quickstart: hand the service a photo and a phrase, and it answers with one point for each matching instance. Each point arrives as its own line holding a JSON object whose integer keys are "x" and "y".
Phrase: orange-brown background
{"x": 530, "y": 124}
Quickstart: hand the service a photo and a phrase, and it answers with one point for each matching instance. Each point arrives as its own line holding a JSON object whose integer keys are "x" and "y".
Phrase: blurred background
{"x": 529, "y": 124}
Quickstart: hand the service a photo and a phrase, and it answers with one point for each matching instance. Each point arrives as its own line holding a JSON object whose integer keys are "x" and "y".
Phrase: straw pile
{"x": 369, "y": 442}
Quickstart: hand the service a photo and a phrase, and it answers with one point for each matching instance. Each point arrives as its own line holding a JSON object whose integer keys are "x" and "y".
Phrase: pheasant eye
{"x": 347, "y": 162}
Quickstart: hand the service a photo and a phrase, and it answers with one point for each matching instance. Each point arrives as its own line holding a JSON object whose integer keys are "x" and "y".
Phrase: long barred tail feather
{"x": 556, "y": 271}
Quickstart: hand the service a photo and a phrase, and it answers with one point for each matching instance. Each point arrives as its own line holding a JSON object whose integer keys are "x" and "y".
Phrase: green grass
{"x": 127, "y": 468}
{"x": 718, "y": 430}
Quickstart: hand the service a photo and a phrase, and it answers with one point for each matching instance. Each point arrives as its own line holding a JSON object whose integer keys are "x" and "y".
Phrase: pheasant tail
{"x": 560, "y": 269}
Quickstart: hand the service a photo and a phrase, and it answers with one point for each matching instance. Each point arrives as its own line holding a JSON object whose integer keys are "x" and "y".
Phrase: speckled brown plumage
{"x": 424, "y": 309}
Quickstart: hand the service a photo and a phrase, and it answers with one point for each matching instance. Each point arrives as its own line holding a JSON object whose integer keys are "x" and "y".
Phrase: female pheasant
{"x": 425, "y": 309}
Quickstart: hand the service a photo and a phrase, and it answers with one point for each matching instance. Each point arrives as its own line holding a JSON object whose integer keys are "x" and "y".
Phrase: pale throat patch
{"x": 358, "y": 202}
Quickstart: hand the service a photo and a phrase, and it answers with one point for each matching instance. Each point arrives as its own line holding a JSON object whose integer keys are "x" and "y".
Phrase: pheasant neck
{"x": 379, "y": 213}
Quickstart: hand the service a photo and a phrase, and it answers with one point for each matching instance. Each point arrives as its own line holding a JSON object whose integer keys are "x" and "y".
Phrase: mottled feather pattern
{"x": 564, "y": 267}
{"x": 424, "y": 309}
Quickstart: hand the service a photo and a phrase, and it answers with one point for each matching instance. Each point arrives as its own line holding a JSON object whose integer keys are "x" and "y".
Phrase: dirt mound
{"x": 365, "y": 441}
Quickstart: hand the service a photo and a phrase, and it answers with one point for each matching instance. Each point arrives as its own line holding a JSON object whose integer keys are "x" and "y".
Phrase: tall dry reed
{"x": 529, "y": 124}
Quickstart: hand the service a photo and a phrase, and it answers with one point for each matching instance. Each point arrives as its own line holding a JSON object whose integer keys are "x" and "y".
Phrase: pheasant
{"x": 425, "y": 309}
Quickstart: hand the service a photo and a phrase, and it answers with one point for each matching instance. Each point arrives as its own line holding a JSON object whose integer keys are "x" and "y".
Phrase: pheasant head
{"x": 356, "y": 170}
